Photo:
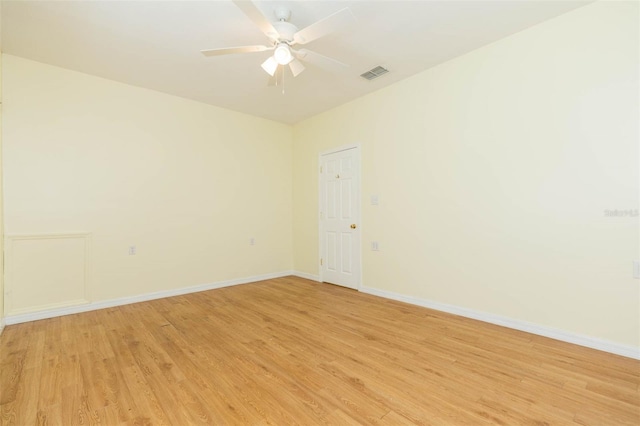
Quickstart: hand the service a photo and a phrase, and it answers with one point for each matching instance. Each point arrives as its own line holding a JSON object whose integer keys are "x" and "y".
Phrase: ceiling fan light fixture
{"x": 270, "y": 66}
{"x": 283, "y": 34}
{"x": 282, "y": 54}
{"x": 296, "y": 67}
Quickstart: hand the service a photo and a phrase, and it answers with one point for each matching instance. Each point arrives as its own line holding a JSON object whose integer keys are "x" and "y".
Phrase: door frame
{"x": 321, "y": 240}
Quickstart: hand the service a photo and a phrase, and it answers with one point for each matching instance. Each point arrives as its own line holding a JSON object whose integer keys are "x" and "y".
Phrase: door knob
{"x": 353, "y": 226}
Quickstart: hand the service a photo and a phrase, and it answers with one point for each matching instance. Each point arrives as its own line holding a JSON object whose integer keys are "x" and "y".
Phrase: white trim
{"x": 340, "y": 149}
{"x": 307, "y": 276}
{"x": 320, "y": 223}
{"x": 50, "y": 313}
{"x": 49, "y": 307}
{"x": 49, "y": 235}
{"x": 553, "y": 333}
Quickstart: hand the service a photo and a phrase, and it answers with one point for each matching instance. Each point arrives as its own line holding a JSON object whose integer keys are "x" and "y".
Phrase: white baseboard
{"x": 565, "y": 336}
{"x": 306, "y": 276}
{"x": 578, "y": 339}
{"x": 92, "y": 306}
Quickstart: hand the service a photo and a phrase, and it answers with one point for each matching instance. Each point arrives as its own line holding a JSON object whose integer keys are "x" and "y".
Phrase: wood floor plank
{"x": 292, "y": 351}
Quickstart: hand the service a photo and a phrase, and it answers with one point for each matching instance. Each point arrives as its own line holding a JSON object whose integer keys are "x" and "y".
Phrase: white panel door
{"x": 339, "y": 218}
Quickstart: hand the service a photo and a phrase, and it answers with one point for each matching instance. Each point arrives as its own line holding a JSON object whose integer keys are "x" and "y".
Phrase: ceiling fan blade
{"x": 253, "y": 13}
{"x": 239, "y": 49}
{"x": 324, "y": 26}
{"x": 296, "y": 67}
{"x": 320, "y": 60}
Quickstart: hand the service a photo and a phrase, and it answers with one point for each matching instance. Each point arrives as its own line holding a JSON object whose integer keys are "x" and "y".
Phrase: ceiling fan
{"x": 283, "y": 35}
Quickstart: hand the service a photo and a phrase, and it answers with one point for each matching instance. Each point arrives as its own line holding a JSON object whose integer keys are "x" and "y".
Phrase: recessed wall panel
{"x": 46, "y": 271}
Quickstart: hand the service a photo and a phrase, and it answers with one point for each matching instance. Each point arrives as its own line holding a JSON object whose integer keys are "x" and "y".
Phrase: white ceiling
{"x": 156, "y": 44}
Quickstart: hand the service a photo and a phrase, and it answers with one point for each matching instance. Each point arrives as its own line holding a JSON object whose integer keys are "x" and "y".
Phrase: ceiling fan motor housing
{"x": 286, "y": 30}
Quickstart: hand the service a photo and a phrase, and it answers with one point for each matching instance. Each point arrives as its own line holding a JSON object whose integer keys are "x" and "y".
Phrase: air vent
{"x": 374, "y": 73}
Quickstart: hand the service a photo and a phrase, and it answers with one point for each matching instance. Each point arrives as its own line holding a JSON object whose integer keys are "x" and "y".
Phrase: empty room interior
{"x": 320, "y": 212}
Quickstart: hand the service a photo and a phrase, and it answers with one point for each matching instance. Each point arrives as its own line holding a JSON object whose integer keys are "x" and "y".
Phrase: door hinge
{"x": 320, "y": 169}
{"x": 320, "y": 261}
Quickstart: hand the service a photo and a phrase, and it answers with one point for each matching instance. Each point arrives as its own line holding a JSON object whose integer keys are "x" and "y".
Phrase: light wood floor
{"x": 290, "y": 351}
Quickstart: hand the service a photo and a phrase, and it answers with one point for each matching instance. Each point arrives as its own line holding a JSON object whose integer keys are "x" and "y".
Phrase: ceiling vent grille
{"x": 374, "y": 73}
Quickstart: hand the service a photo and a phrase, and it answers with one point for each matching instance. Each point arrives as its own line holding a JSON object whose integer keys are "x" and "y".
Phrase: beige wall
{"x": 494, "y": 171}
{"x": 188, "y": 184}
{"x": 1, "y": 214}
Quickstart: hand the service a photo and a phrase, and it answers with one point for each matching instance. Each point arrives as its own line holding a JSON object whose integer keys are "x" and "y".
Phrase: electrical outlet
{"x": 374, "y": 246}
{"x": 132, "y": 250}
{"x": 636, "y": 269}
{"x": 252, "y": 241}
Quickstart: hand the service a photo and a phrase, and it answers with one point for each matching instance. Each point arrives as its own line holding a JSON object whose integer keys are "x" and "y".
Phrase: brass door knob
{"x": 353, "y": 226}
